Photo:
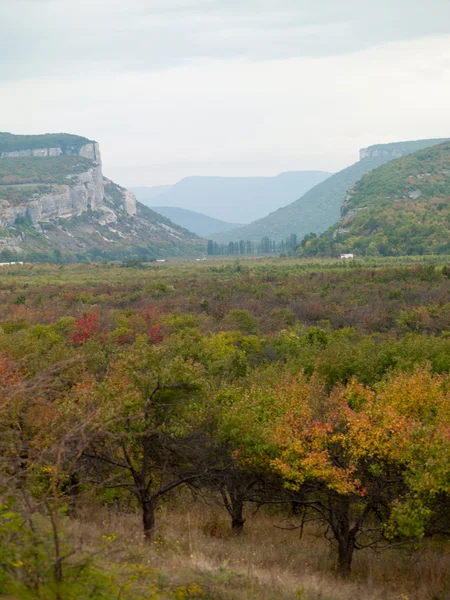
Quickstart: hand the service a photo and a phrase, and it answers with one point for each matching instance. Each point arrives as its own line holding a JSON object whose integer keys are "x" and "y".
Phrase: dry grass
{"x": 194, "y": 545}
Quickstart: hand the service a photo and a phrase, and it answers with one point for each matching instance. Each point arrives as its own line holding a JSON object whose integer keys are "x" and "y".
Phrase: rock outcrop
{"x": 396, "y": 150}
{"x": 86, "y": 191}
{"x": 374, "y": 152}
{"x": 129, "y": 202}
{"x": 89, "y": 150}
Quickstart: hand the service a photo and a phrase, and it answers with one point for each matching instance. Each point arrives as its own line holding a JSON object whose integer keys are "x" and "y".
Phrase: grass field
{"x": 195, "y": 546}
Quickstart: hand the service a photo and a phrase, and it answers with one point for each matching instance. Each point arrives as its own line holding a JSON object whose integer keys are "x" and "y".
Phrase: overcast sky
{"x": 172, "y": 88}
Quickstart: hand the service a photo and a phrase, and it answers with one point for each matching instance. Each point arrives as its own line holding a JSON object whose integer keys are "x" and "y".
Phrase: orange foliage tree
{"x": 354, "y": 456}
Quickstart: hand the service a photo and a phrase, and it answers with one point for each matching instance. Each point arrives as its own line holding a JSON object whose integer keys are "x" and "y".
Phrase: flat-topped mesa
{"x": 397, "y": 149}
{"x": 85, "y": 191}
{"x": 85, "y": 187}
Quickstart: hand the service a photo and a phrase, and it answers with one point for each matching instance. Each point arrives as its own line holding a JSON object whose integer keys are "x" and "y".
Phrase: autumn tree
{"x": 37, "y": 449}
{"x": 346, "y": 453}
{"x": 421, "y": 403}
{"x": 149, "y": 401}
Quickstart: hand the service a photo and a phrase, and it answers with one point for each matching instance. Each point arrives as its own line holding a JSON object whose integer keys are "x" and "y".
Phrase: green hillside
{"x": 401, "y": 208}
{"x": 36, "y": 169}
{"x": 10, "y": 142}
{"x": 320, "y": 207}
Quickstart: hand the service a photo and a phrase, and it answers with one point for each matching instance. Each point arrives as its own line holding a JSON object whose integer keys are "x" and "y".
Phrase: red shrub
{"x": 87, "y": 326}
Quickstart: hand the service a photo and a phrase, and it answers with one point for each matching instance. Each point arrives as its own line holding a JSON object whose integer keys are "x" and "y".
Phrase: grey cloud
{"x": 54, "y": 37}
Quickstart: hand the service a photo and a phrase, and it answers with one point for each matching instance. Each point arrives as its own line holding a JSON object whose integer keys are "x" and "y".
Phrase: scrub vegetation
{"x": 252, "y": 429}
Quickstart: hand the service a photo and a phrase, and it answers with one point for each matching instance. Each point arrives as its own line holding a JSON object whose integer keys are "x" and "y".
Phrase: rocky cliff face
{"x": 395, "y": 150}
{"x": 90, "y": 150}
{"x": 129, "y": 202}
{"x": 374, "y": 152}
{"x": 86, "y": 190}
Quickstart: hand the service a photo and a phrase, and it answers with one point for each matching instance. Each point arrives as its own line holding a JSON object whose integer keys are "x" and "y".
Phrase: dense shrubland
{"x": 315, "y": 392}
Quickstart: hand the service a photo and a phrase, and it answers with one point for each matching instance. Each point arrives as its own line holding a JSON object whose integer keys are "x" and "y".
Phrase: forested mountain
{"x": 55, "y": 204}
{"x": 399, "y": 209}
{"x": 235, "y": 199}
{"x": 200, "y": 224}
{"x": 320, "y": 207}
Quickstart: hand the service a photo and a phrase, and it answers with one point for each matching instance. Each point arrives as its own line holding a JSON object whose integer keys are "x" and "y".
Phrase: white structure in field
{"x": 11, "y": 263}
{"x": 347, "y": 256}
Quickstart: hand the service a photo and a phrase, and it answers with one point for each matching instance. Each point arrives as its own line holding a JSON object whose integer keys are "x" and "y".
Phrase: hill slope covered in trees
{"x": 320, "y": 207}
{"x": 402, "y": 208}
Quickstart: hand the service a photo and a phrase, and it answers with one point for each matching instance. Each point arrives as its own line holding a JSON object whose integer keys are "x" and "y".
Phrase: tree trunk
{"x": 237, "y": 517}
{"x": 344, "y": 535}
{"x": 234, "y": 504}
{"x": 345, "y": 553}
{"x": 73, "y": 492}
{"x": 148, "y": 519}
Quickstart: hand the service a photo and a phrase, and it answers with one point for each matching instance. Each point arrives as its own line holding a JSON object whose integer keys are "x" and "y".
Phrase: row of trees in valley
{"x": 346, "y": 429}
{"x": 241, "y": 247}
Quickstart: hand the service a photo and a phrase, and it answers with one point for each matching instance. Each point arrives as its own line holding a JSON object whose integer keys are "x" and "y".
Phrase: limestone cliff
{"x": 90, "y": 150}
{"x": 62, "y": 201}
{"x": 397, "y": 149}
{"x": 374, "y": 152}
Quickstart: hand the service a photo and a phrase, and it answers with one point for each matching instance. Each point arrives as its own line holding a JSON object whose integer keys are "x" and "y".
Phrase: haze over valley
{"x": 241, "y": 199}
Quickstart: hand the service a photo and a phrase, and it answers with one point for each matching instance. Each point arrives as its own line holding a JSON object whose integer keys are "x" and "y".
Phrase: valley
{"x": 175, "y": 411}
{"x": 224, "y": 300}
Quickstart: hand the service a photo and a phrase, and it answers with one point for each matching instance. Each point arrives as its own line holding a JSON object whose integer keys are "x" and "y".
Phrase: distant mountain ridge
{"x": 401, "y": 208}
{"x": 201, "y": 225}
{"x": 55, "y": 202}
{"x": 236, "y": 199}
{"x": 146, "y": 195}
{"x": 319, "y": 208}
